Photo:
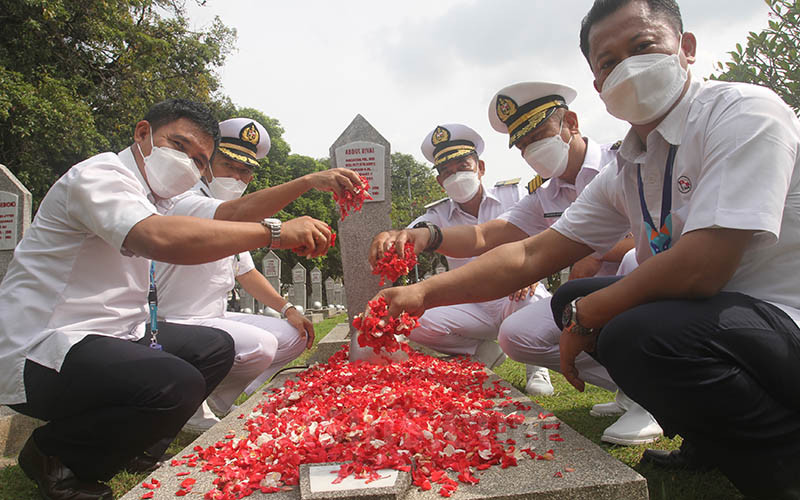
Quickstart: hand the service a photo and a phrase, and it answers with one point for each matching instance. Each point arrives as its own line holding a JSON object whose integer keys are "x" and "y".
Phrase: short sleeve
{"x": 748, "y": 158}
{"x": 527, "y": 214}
{"x": 598, "y": 217}
{"x": 245, "y": 264}
{"x": 430, "y": 215}
{"x": 195, "y": 204}
{"x": 107, "y": 199}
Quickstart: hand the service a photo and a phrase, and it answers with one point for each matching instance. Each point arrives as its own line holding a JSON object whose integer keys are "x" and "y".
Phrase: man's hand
{"x": 587, "y": 267}
{"x": 409, "y": 298}
{"x": 571, "y": 345}
{"x": 523, "y": 293}
{"x": 386, "y": 240}
{"x": 335, "y": 180}
{"x": 302, "y": 325}
{"x": 306, "y": 236}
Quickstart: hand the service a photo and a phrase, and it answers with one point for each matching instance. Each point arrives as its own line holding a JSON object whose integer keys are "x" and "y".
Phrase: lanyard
{"x": 660, "y": 239}
{"x": 152, "y": 301}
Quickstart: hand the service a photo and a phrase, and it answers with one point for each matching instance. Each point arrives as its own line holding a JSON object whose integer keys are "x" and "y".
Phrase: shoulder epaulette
{"x": 535, "y": 184}
{"x": 616, "y": 145}
{"x": 509, "y": 182}
{"x": 437, "y": 202}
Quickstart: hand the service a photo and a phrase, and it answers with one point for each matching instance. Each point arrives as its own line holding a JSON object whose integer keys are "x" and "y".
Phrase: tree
{"x": 771, "y": 56}
{"x": 76, "y": 75}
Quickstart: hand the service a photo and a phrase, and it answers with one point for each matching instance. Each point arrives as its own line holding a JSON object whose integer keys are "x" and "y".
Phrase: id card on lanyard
{"x": 660, "y": 239}
{"x": 152, "y": 301}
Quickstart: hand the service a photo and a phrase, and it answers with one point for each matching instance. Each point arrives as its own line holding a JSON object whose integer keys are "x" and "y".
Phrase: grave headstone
{"x": 316, "y": 286}
{"x": 362, "y": 149}
{"x": 15, "y": 215}
{"x": 246, "y": 301}
{"x": 299, "y": 282}
{"x": 271, "y": 265}
{"x": 440, "y": 269}
{"x": 329, "y": 284}
{"x": 338, "y": 291}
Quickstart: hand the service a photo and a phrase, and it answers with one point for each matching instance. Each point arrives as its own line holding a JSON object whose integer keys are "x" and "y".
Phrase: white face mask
{"x": 549, "y": 156}
{"x": 642, "y": 88}
{"x": 225, "y": 188}
{"x": 462, "y": 186}
{"x": 169, "y": 172}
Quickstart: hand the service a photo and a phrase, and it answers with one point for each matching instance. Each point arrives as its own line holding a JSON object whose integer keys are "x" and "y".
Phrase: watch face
{"x": 566, "y": 316}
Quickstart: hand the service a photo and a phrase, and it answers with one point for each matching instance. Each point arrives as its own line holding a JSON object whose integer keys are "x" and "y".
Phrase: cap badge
{"x": 440, "y": 135}
{"x": 250, "y": 134}
{"x": 506, "y": 107}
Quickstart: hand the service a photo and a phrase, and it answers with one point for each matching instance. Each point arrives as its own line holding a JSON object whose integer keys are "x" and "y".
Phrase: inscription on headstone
{"x": 271, "y": 265}
{"x": 316, "y": 285}
{"x": 299, "y": 282}
{"x": 15, "y": 215}
{"x": 356, "y": 231}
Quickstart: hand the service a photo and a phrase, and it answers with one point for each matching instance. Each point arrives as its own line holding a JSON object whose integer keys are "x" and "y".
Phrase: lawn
{"x": 566, "y": 403}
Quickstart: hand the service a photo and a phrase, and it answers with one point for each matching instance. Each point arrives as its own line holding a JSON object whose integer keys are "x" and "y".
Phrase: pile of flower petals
{"x": 353, "y": 200}
{"x": 391, "y": 266}
{"x": 381, "y": 334}
{"x": 429, "y": 417}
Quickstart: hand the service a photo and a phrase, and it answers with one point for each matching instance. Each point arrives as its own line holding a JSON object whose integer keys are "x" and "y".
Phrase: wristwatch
{"x": 285, "y": 308}
{"x": 569, "y": 319}
{"x": 274, "y": 226}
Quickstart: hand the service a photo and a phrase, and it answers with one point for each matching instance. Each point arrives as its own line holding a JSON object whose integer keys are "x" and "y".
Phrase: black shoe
{"x": 55, "y": 480}
{"x": 146, "y": 463}
{"x": 685, "y": 458}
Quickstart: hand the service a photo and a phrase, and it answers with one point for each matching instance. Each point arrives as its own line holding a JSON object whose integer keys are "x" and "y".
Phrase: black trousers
{"x": 722, "y": 372}
{"x": 114, "y": 399}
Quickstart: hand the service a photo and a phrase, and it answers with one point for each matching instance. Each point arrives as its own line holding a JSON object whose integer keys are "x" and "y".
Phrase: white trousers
{"x": 459, "y": 329}
{"x": 263, "y": 346}
{"x": 530, "y": 336}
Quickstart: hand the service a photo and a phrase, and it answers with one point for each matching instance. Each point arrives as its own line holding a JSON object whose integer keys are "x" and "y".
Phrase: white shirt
{"x": 736, "y": 167}
{"x": 495, "y": 200}
{"x": 543, "y": 207}
{"x": 70, "y": 276}
{"x": 198, "y": 291}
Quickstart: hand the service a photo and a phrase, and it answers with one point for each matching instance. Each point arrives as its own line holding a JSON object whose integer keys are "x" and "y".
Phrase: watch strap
{"x": 285, "y": 308}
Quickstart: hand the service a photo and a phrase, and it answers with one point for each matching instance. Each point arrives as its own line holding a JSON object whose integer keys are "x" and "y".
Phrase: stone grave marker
{"x": 271, "y": 266}
{"x": 316, "y": 285}
{"x": 440, "y": 269}
{"x": 338, "y": 290}
{"x": 299, "y": 282}
{"x": 329, "y": 284}
{"x": 15, "y": 215}
{"x": 246, "y": 301}
{"x": 362, "y": 149}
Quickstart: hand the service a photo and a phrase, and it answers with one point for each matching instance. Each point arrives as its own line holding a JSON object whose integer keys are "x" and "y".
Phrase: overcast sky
{"x": 409, "y": 65}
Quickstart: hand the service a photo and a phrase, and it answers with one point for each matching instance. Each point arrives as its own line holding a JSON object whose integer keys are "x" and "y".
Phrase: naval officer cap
{"x": 450, "y": 141}
{"x": 518, "y": 109}
{"x": 243, "y": 140}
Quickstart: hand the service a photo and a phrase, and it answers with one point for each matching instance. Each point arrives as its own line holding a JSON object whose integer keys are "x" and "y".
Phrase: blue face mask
{"x": 660, "y": 239}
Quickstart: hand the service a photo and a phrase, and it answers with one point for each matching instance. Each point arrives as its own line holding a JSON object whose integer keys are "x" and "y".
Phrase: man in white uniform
{"x": 455, "y": 150}
{"x": 74, "y": 349}
{"x": 704, "y": 332}
{"x": 197, "y": 295}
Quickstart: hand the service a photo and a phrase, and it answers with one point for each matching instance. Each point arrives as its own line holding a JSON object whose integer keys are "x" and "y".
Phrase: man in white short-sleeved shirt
{"x": 74, "y": 349}
{"x": 197, "y": 294}
{"x": 704, "y": 332}
{"x": 454, "y": 150}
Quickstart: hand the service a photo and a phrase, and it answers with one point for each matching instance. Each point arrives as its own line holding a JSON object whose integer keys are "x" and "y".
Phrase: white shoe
{"x": 617, "y": 407}
{"x": 538, "y": 381}
{"x": 635, "y": 427}
{"x": 489, "y": 353}
{"x": 202, "y": 420}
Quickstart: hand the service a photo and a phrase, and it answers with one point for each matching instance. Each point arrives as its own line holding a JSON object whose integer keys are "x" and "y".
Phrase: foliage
{"x": 75, "y": 76}
{"x": 771, "y": 56}
{"x": 413, "y": 187}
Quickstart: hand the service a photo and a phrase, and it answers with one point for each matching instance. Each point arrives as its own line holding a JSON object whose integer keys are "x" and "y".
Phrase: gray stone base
{"x": 15, "y": 429}
{"x": 580, "y": 469}
{"x": 333, "y": 341}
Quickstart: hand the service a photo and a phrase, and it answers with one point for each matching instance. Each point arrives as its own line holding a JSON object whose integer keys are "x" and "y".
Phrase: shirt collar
{"x": 671, "y": 128}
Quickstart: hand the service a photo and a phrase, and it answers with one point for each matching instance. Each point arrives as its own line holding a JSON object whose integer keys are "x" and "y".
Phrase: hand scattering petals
{"x": 380, "y": 334}
{"x": 391, "y": 266}
{"x": 353, "y": 201}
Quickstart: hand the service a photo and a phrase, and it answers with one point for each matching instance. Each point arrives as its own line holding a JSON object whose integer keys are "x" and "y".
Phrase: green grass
{"x": 566, "y": 403}
{"x": 573, "y": 408}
